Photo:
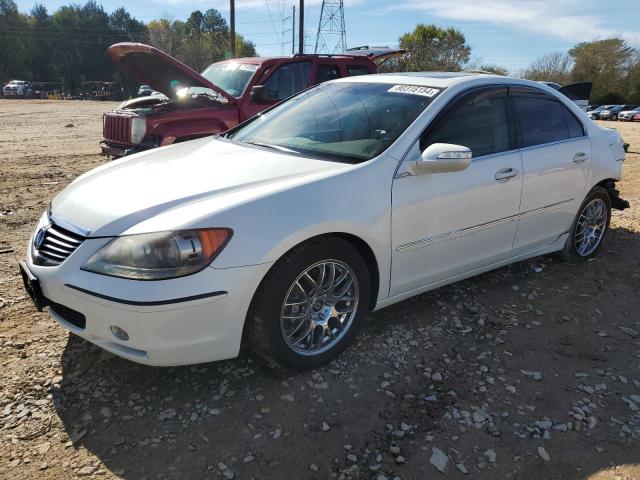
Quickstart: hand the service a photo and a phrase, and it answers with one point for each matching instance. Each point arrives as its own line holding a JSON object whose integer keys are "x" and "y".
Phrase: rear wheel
{"x": 310, "y": 305}
{"x": 614, "y": 117}
{"x": 589, "y": 228}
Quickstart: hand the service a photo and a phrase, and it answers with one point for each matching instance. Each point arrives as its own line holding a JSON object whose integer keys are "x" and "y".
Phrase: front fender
{"x": 269, "y": 220}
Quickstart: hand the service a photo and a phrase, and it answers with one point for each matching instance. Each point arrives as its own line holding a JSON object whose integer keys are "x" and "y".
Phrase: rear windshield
{"x": 350, "y": 121}
{"x": 231, "y": 77}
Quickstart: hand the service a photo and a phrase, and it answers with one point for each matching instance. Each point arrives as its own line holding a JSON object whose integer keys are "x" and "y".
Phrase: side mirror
{"x": 444, "y": 157}
{"x": 260, "y": 93}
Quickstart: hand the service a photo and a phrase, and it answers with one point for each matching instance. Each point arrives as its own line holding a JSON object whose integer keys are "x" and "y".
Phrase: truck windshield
{"x": 231, "y": 77}
{"x": 350, "y": 121}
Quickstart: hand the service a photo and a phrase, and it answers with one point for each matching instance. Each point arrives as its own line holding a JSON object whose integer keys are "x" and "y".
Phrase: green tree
{"x": 431, "y": 48}
{"x": 606, "y": 63}
{"x": 497, "y": 69}
{"x": 14, "y": 43}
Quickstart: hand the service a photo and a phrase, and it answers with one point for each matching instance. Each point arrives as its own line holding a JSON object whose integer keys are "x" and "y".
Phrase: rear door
{"x": 556, "y": 157}
{"x": 325, "y": 72}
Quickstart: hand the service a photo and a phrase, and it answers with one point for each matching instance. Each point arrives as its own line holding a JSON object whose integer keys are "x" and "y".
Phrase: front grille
{"x": 117, "y": 128}
{"x": 69, "y": 315}
{"x": 56, "y": 245}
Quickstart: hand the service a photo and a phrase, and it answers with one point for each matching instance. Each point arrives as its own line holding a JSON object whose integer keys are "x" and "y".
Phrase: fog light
{"x": 119, "y": 333}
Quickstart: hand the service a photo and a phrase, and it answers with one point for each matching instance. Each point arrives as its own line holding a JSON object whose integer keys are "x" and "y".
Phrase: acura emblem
{"x": 39, "y": 238}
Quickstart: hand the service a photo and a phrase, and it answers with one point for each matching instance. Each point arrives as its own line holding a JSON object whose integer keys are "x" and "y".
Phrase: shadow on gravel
{"x": 241, "y": 419}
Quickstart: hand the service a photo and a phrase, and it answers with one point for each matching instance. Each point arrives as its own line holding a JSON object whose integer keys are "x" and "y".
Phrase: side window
{"x": 575, "y": 127}
{"x": 477, "y": 121}
{"x": 325, "y": 73}
{"x": 542, "y": 120}
{"x": 355, "y": 70}
{"x": 288, "y": 80}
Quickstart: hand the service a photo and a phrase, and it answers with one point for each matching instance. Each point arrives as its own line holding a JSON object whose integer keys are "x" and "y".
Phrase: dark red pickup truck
{"x": 192, "y": 105}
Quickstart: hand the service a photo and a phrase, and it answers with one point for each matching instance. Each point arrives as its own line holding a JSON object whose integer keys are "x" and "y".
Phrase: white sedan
{"x": 349, "y": 197}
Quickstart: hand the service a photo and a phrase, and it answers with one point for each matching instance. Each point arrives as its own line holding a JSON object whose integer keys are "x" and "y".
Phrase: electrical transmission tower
{"x": 332, "y": 34}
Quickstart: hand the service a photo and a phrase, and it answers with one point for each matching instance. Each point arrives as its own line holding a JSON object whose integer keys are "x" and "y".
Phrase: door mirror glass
{"x": 444, "y": 157}
{"x": 260, "y": 93}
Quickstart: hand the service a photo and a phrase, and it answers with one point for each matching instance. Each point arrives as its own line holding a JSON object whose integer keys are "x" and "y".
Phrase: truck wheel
{"x": 310, "y": 305}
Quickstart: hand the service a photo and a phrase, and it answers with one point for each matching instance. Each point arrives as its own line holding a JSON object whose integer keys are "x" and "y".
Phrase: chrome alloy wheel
{"x": 591, "y": 227}
{"x": 319, "y": 307}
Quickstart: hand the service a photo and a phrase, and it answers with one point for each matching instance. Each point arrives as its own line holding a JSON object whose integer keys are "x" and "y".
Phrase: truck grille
{"x": 116, "y": 128}
{"x": 54, "y": 245}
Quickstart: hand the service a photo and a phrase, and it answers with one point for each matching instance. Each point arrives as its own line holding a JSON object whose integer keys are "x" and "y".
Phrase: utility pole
{"x": 293, "y": 29}
{"x": 301, "y": 35}
{"x": 232, "y": 27}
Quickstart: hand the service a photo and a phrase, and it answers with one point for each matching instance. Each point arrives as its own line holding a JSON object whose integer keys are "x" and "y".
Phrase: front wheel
{"x": 310, "y": 305}
{"x": 589, "y": 228}
{"x": 614, "y": 117}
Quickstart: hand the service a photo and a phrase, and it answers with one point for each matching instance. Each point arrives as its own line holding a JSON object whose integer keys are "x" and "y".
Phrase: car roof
{"x": 432, "y": 79}
{"x": 261, "y": 60}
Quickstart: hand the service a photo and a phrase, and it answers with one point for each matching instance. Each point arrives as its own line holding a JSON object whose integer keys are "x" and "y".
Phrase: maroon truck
{"x": 191, "y": 105}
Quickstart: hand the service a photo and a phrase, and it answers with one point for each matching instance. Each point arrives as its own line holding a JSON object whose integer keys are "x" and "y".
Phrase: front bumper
{"x": 194, "y": 319}
{"x": 117, "y": 151}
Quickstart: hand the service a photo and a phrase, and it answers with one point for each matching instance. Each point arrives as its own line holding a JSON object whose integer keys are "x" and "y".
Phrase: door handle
{"x": 580, "y": 157}
{"x": 505, "y": 173}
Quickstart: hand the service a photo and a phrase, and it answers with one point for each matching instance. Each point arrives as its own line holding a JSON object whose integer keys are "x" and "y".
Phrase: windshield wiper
{"x": 273, "y": 147}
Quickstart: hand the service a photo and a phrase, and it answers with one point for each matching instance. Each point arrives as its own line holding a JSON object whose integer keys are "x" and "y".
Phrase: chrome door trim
{"x": 424, "y": 242}
{"x": 557, "y": 142}
{"x": 406, "y": 247}
{"x": 545, "y": 208}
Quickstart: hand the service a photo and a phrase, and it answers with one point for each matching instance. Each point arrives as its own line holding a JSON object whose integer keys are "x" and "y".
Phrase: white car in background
{"x": 349, "y": 197}
{"x": 17, "y": 88}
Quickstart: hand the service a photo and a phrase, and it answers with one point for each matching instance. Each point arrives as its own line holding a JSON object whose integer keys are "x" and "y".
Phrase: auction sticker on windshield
{"x": 414, "y": 90}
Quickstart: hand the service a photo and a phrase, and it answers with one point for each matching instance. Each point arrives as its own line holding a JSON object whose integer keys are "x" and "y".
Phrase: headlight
{"x": 157, "y": 256}
{"x": 138, "y": 129}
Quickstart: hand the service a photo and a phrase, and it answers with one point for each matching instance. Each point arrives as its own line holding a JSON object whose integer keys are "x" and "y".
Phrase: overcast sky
{"x": 507, "y": 33}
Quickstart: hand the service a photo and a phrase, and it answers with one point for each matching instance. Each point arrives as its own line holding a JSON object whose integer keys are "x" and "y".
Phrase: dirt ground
{"x": 528, "y": 372}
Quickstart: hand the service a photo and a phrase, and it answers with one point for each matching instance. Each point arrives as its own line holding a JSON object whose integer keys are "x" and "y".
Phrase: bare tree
{"x": 553, "y": 67}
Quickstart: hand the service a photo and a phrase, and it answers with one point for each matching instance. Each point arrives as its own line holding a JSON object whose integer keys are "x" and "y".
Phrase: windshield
{"x": 353, "y": 121}
{"x": 231, "y": 77}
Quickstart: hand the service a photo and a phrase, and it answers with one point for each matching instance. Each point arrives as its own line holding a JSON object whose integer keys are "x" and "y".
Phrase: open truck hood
{"x": 160, "y": 71}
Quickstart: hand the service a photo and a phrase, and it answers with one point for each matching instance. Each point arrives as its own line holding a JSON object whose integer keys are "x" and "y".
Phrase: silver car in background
{"x": 627, "y": 115}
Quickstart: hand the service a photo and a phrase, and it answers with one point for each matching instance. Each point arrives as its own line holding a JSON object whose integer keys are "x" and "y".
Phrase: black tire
{"x": 570, "y": 252}
{"x": 614, "y": 117}
{"x": 263, "y": 320}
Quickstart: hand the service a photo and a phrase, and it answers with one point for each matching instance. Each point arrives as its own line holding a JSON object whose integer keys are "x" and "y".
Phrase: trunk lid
{"x": 155, "y": 68}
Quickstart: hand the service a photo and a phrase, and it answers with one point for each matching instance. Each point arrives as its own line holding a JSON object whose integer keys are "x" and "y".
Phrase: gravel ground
{"x": 530, "y": 371}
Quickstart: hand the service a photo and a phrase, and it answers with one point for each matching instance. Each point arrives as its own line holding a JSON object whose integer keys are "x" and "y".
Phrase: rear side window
{"x": 575, "y": 127}
{"x": 325, "y": 73}
{"x": 545, "y": 120}
{"x": 355, "y": 70}
{"x": 477, "y": 121}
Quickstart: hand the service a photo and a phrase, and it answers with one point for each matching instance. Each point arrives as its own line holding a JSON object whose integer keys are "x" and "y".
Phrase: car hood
{"x": 160, "y": 71}
{"x": 116, "y": 196}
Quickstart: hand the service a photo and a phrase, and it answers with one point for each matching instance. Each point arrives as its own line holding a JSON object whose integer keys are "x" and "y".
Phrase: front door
{"x": 447, "y": 224}
{"x": 285, "y": 81}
